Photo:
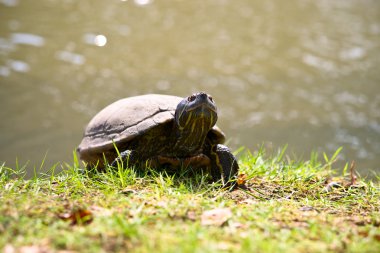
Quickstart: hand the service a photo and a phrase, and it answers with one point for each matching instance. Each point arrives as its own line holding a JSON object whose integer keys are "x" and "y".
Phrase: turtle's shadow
{"x": 194, "y": 179}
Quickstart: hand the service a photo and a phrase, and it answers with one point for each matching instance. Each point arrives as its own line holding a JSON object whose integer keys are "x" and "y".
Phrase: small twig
{"x": 352, "y": 173}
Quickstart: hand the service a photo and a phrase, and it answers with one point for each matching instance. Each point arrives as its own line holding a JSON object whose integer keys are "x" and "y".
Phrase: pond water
{"x": 299, "y": 72}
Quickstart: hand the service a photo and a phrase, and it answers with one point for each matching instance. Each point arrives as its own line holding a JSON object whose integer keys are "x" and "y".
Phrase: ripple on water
{"x": 27, "y": 39}
{"x": 70, "y": 57}
{"x": 18, "y": 66}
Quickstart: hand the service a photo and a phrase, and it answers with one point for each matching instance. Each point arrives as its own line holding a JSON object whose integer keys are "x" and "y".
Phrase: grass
{"x": 286, "y": 206}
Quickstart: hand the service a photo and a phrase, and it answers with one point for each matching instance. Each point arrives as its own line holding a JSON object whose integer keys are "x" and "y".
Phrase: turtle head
{"x": 196, "y": 113}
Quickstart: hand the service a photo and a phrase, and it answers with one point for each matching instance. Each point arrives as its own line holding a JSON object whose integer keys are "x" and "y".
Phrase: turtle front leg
{"x": 224, "y": 165}
{"x": 128, "y": 157}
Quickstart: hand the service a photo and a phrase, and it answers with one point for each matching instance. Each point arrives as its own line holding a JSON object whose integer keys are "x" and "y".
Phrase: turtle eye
{"x": 191, "y": 98}
{"x": 209, "y": 97}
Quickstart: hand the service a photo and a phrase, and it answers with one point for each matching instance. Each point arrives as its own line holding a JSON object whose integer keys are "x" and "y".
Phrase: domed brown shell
{"x": 127, "y": 118}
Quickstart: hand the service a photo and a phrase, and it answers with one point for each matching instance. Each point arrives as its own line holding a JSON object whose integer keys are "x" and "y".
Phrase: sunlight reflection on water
{"x": 27, "y": 39}
{"x": 95, "y": 39}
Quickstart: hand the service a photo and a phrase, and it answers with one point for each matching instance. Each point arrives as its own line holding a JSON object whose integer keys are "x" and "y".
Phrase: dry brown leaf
{"x": 242, "y": 179}
{"x": 77, "y": 216}
{"x": 9, "y": 249}
{"x": 26, "y": 249}
{"x": 216, "y": 217}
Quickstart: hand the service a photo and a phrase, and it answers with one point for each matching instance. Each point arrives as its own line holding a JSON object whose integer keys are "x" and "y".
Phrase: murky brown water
{"x": 301, "y": 72}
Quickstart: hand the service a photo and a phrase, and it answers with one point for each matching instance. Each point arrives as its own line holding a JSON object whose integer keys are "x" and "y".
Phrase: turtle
{"x": 155, "y": 130}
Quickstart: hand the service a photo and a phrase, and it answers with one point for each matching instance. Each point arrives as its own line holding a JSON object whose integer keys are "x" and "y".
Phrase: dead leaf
{"x": 216, "y": 217}
{"x": 363, "y": 233}
{"x": 26, "y": 249}
{"x": 77, "y": 216}
{"x": 9, "y": 248}
{"x": 242, "y": 179}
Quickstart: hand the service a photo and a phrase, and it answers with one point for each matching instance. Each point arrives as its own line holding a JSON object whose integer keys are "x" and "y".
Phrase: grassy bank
{"x": 285, "y": 206}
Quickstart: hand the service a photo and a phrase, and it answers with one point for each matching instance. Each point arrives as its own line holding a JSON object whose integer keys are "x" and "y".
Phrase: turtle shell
{"x": 128, "y": 118}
